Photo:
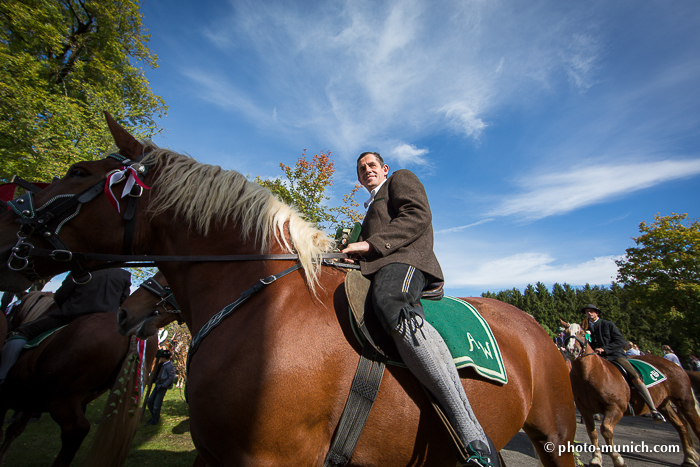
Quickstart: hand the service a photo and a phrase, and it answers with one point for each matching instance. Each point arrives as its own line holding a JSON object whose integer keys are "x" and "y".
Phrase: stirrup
{"x": 479, "y": 459}
{"x": 657, "y": 417}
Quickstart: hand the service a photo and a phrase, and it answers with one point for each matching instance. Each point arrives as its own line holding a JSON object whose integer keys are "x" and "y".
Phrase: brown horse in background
{"x": 69, "y": 369}
{"x": 268, "y": 385}
{"x": 600, "y": 388}
{"x": 150, "y": 308}
{"x": 694, "y": 377}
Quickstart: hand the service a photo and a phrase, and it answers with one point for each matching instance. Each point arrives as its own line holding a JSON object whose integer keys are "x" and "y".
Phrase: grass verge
{"x": 168, "y": 443}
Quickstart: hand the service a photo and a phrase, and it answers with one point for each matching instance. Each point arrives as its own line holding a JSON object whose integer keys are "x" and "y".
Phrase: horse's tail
{"x": 123, "y": 410}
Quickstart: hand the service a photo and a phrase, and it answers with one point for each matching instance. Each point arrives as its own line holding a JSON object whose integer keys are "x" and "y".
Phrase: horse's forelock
{"x": 574, "y": 329}
{"x": 204, "y": 195}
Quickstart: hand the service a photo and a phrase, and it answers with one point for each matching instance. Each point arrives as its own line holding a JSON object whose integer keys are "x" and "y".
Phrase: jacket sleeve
{"x": 65, "y": 290}
{"x": 616, "y": 341}
{"x": 410, "y": 202}
{"x": 127, "y": 288}
{"x": 169, "y": 371}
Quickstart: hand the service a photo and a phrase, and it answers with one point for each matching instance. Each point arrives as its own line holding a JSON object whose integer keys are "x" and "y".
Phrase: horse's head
{"x": 575, "y": 341}
{"x": 83, "y": 211}
{"x": 148, "y": 309}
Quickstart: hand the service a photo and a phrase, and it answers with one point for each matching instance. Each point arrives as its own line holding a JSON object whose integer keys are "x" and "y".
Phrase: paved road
{"x": 631, "y": 431}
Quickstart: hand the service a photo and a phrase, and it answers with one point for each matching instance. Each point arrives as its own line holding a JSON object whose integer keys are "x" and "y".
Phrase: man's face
{"x": 592, "y": 314}
{"x": 370, "y": 173}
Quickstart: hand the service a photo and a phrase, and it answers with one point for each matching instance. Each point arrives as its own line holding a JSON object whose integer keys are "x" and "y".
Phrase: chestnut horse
{"x": 267, "y": 385}
{"x": 599, "y": 387}
{"x": 67, "y": 370}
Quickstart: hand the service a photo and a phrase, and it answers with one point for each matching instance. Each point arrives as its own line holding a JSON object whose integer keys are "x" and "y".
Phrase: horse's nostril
{"x": 122, "y": 316}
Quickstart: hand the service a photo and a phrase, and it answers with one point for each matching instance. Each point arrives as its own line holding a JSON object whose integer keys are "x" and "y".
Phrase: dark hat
{"x": 163, "y": 353}
{"x": 592, "y": 307}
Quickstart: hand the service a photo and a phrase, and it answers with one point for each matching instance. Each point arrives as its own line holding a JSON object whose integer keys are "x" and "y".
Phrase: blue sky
{"x": 543, "y": 131}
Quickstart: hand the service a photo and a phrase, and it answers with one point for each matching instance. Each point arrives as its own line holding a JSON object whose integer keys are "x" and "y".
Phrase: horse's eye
{"x": 78, "y": 172}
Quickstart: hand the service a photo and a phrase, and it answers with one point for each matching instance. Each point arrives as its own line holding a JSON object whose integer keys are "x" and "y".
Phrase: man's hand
{"x": 356, "y": 249}
{"x": 599, "y": 351}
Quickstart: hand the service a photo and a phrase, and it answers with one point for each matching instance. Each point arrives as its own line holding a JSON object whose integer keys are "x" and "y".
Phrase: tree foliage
{"x": 305, "y": 189}
{"x": 662, "y": 273}
{"x": 62, "y": 63}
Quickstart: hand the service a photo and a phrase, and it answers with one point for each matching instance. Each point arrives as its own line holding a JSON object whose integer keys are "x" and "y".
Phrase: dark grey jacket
{"x": 606, "y": 335}
{"x": 166, "y": 376}
{"x": 105, "y": 292}
{"x": 399, "y": 225}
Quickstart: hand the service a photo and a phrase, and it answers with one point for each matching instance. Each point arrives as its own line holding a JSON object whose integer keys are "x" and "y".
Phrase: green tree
{"x": 305, "y": 188}
{"x": 661, "y": 275}
{"x": 62, "y": 63}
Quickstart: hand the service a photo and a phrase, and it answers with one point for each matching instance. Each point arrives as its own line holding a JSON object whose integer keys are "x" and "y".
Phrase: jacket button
{"x": 388, "y": 245}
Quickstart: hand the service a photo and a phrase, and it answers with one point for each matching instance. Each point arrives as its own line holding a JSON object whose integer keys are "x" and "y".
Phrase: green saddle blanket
{"x": 649, "y": 373}
{"x": 466, "y": 333}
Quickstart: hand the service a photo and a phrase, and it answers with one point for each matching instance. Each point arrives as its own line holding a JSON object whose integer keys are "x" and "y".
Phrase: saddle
{"x": 357, "y": 292}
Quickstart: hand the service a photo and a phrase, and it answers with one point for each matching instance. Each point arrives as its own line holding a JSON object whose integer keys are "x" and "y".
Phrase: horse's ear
{"x": 563, "y": 323}
{"x": 128, "y": 145}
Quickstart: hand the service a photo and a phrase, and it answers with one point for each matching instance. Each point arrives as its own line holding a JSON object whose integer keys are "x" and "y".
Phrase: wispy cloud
{"x": 462, "y": 227}
{"x": 369, "y": 73}
{"x": 562, "y": 192}
{"x": 522, "y": 269}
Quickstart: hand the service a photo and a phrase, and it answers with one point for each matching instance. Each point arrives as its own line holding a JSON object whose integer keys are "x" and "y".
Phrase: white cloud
{"x": 462, "y": 227}
{"x": 407, "y": 154}
{"x": 562, "y": 192}
{"x": 369, "y": 72}
{"x": 521, "y": 269}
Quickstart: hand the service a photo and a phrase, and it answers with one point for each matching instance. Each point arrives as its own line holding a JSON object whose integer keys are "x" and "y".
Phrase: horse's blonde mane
{"x": 206, "y": 195}
{"x": 34, "y": 305}
{"x": 574, "y": 329}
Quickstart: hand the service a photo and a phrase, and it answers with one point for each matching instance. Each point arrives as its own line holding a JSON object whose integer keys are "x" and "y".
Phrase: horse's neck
{"x": 589, "y": 362}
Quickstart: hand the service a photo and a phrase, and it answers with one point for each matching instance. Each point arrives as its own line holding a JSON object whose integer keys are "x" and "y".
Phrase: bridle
{"x": 48, "y": 219}
{"x": 166, "y": 298}
{"x": 581, "y": 342}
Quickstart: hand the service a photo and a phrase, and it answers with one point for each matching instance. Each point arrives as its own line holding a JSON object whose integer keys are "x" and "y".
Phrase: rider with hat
{"x": 608, "y": 342}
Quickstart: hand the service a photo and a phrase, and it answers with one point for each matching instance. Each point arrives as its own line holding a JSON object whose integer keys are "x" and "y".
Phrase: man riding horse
{"x": 608, "y": 342}
{"x": 105, "y": 291}
{"x": 396, "y": 251}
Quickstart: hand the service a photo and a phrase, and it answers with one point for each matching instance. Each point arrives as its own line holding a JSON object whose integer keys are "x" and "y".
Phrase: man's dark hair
{"x": 375, "y": 154}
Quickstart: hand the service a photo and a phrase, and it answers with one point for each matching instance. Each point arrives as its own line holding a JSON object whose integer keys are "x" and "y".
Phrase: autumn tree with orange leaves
{"x": 305, "y": 188}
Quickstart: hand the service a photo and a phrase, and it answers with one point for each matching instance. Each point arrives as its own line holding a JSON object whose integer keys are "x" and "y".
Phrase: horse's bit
{"x": 166, "y": 298}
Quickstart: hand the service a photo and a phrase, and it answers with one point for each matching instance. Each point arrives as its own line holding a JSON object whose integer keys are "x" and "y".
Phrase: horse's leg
{"x": 551, "y": 422}
{"x": 607, "y": 429}
{"x": 13, "y": 431}
{"x": 690, "y": 455}
{"x": 589, "y": 421}
{"x": 689, "y": 409}
{"x": 74, "y": 428}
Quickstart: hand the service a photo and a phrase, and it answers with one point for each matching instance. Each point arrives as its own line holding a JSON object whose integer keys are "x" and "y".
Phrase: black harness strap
{"x": 215, "y": 320}
{"x": 363, "y": 393}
